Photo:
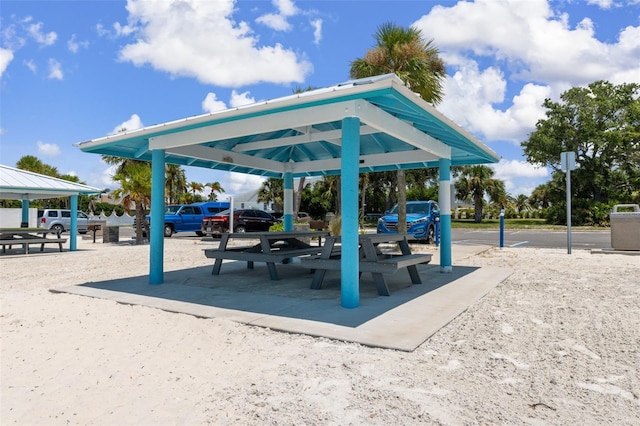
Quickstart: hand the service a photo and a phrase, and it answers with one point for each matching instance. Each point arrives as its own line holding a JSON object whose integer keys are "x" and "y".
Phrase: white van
{"x": 60, "y": 220}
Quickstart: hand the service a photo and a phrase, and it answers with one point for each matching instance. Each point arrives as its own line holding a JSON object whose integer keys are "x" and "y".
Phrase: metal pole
{"x": 502, "y": 228}
{"x": 568, "y": 211}
{"x": 231, "y": 215}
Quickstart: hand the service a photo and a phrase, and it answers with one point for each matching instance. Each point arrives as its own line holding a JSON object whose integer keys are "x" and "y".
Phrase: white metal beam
{"x": 331, "y": 136}
{"x": 269, "y": 122}
{"x": 221, "y": 156}
{"x": 373, "y": 160}
{"x": 397, "y": 128}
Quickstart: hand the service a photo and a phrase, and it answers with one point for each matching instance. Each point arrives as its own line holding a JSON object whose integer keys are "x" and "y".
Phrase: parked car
{"x": 60, "y": 220}
{"x": 421, "y": 220}
{"x": 187, "y": 217}
{"x": 244, "y": 220}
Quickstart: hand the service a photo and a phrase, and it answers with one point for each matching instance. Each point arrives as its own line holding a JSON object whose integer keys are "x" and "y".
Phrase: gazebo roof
{"x": 301, "y": 134}
{"x": 16, "y": 184}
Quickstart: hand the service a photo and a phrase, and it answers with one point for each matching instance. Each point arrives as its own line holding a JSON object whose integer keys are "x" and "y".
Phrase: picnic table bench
{"x": 371, "y": 260}
{"x": 273, "y": 247}
{"x": 25, "y": 237}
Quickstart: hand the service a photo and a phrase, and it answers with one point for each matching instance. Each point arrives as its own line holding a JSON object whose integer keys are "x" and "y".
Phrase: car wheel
{"x": 241, "y": 229}
{"x": 431, "y": 235}
{"x": 58, "y": 228}
{"x": 168, "y": 231}
{"x": 200, "y": 233}
{"x": 82, "y": 232}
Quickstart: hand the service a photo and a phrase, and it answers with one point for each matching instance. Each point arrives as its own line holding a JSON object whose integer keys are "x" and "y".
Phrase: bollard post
{"x": 502, "y": 228}
{"x": 437, "y": 239}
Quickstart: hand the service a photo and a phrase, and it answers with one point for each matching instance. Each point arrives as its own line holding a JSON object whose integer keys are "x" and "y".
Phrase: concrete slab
{"x": 401, "y": 321}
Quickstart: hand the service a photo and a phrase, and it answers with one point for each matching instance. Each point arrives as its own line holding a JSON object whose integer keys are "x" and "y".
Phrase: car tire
{"x": 168, "y": 231}
{"x": 200, "y": 233}
{"x": 58, "y": 228}
{"x": 431, "y": 235}
{"x": 240, "y": 229}
{"x": 82, "y": 232}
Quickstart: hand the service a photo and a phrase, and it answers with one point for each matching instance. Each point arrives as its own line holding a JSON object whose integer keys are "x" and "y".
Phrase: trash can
{"x": 111, "y": 234}
{"x": 625, "y": 227}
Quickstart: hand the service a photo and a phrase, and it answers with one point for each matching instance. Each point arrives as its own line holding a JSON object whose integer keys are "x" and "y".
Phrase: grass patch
{"x": 516, "y": 224}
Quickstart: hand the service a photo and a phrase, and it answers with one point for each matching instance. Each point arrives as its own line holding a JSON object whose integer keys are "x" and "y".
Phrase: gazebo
{"x": 366, "y": 125}
{"x": 16, "y": 184}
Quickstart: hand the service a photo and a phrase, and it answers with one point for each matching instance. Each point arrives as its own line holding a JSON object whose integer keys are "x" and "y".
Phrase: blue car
{"x": 421, "y": 220}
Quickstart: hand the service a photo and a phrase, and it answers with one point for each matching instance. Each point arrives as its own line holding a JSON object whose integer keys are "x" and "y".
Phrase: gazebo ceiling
{"x": 302, "y": 134}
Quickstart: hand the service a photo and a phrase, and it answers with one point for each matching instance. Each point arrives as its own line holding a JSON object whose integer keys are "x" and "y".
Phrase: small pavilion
{"x": 365, "y": 125}
{"x": 17, "y": 184}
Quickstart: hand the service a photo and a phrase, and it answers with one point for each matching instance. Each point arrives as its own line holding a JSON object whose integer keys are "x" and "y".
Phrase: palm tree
{"x": 540, "y": 196}
{"x": 272, "y": 191}
{"x": 215, "y": 187}
{"x": 476, "y": 181}
{"x": 404, "y": 51}
{"x": 134, "y": 178}
{"x": 175, "y": 183}
{"x": 35, "y": 165}
{"x": 521, "y": 203}
{"x": 195, "y": 187}
{"x": 301, "y": 184}
{"x": 125, "y": 166}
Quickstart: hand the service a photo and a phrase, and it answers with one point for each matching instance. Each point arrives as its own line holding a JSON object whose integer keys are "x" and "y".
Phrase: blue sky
{"x": 72, "y": 71}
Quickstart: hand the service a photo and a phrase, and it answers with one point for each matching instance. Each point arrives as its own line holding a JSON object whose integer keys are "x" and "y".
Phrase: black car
{"x": 244, "y": 220}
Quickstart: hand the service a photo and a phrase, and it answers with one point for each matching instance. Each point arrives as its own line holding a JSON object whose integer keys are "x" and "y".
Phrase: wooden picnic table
{"x": 273, "y": 247}
{"x": 371, "y": 259}
{"x": 26, "y": 236}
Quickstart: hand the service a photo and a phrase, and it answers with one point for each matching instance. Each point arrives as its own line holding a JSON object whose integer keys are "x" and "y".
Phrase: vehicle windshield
{"x": 223, "y": 213}
{"x": 421, "y": 208}
{"x": 171, "y": 209}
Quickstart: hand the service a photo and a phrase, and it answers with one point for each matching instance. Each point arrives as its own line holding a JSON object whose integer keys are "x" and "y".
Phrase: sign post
{"x": 568, "y": 163}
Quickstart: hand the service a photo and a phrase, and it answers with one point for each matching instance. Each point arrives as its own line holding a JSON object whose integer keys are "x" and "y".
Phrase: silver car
{"x": 60, "y": 220}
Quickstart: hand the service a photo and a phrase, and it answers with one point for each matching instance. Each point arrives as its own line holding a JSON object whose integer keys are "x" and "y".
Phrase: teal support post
{"x": 24, "y": 223}
{"x": 350, "y": 280}
{"x": 444, "y": 200}
{"x": 156, "y": 240}
{"x": 73, "y": 228}
{"x": 288, "y": 201}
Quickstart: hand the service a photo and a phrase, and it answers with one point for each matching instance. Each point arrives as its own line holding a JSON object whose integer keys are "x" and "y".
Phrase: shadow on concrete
{"x": 403, "y": 320}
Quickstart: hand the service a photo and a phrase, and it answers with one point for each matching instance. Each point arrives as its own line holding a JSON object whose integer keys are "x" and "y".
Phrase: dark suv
{"x": 245, "y": 220}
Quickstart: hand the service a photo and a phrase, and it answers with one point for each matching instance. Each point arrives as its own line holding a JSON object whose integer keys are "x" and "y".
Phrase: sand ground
{"x": 557, "y": 343}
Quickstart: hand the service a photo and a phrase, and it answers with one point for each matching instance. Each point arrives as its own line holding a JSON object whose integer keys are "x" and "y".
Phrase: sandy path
{"x": 557, "y": 343}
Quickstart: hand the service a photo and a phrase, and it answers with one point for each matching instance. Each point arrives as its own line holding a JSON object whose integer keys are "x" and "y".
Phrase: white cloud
{"x": 240, "y": 99}
{"x": 239, "y": 183}
{"x": 534, "y": 53}
{"x": 134, "y": 122}
{"x": 532, "y": 40}
{"x": 35, "y": 31}
{"x": 3, "y": 131}
{"x": 470, "y": 96}
{"x": 317, "y": 30}
{"x": 602, "y": 4}
{"x": 48, "y": 149}
{"x": 278, "y": 21}
{"x": 520, "y": 177}
{"x": 55, "y": 70}
{"x": 200, "y": 39}
{"x": 74, "y": 45}
{"x": 211, "y": 103}
{"x": 105, "y": 178}
{"x": 31, "y": 65}
{"x": 6, "y": 56}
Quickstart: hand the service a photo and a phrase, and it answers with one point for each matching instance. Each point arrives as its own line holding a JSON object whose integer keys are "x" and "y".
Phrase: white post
{"x": 568, "y": 163}
{"x": 230, "y": 215}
